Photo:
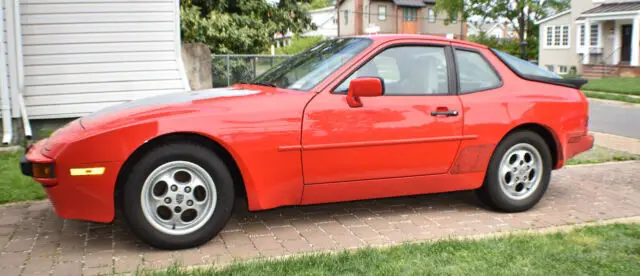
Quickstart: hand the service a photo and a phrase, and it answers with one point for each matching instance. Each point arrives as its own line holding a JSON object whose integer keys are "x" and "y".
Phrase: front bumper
{"x": 75, "y": 197}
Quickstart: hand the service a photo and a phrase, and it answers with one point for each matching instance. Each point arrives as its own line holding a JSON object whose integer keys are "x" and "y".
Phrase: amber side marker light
{"x": 87, "y": 171}
{"x": 42, "y": 170}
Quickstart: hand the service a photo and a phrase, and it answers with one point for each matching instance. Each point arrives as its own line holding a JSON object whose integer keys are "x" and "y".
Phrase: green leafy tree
{"x": 520, "y": 13}
{"x": 241, "y": 26}
{"x": 299, "y": 44}
{"x": 319, "y": 4}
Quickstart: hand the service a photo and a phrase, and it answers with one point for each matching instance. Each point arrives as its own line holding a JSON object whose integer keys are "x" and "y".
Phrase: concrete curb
{"x": 616, "y": 142}
{"x": 534, "y": 231}
{"x": 618, "y": 103}
{"x": 10, "y": 149}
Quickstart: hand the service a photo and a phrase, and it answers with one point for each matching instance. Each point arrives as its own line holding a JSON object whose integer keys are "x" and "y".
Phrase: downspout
{"x": 18, "y": 40}
{"x": 7, "y": 128}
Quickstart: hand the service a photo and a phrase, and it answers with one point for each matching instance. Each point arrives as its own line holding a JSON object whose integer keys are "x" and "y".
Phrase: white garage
{"x": 68, "y": 58}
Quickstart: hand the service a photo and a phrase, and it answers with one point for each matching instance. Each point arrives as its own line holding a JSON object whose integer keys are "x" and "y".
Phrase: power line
{"x": 393, "y": 16}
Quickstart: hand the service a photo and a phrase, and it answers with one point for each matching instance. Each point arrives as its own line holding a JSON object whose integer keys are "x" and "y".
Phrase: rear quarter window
{"x": 523, "y": 67}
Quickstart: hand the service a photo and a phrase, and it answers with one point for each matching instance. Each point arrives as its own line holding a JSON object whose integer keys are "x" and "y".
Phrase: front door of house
{"x": 409, "y": 20}
{"x": 625, "y": 50}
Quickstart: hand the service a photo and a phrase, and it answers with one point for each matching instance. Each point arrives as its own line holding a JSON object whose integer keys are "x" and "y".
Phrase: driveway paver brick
{"x": 33, "y": 241}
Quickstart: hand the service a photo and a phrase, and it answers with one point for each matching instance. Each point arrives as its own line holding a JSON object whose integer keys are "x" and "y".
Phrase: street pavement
{"x": 615, "y": 118}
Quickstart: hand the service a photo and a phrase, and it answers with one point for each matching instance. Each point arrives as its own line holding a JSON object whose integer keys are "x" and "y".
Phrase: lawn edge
{"x": 500, "y": 234}
{"x": 602, "y": 163}
{"x": 606, "y": 101}
{"x": 22, "y": 202}
{"x": 623, "y": 98}
{"x": 10, "y": 149}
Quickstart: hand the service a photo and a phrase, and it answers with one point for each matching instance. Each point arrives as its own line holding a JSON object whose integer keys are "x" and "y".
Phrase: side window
{"x": 406, "y": 70}
{"x": 475, "y": 73}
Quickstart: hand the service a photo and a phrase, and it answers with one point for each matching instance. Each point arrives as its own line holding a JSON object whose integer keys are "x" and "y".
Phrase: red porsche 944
{"x": 348, "y": 119}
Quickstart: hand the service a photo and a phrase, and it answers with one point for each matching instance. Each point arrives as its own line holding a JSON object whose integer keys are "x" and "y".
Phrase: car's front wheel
{"x": 178, "y": 196}
{"x": 518, "y": 174}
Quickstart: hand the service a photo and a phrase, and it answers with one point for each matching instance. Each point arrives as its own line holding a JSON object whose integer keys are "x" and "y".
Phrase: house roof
{"x": 409, "y": 3}
{"x": 615, "y": 7}
{"x": 553, "y": 16}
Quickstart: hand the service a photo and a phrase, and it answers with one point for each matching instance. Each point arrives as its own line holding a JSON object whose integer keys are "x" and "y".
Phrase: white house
{"x": 325, "y": 20}
{"x": 595, "y": 37}
{"x": 68, "y": 58}
{"x": 491, "y": 29}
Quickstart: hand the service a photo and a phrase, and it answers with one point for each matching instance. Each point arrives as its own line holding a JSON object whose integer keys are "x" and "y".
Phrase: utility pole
{"x": 523, "y": 44}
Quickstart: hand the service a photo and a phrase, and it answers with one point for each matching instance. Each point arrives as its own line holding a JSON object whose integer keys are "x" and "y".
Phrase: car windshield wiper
{"x": 264, "y": 83}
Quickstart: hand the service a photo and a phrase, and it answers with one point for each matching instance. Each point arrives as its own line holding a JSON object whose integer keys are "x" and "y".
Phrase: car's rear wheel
{"x": 178, "y": 196}
{"x": 518, "y": 174}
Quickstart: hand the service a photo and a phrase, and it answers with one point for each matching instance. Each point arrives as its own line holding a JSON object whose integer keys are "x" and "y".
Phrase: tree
{"x": 520, "y": 13}
{"x": 319, "y": 4}
{"x": 240, "y": 26}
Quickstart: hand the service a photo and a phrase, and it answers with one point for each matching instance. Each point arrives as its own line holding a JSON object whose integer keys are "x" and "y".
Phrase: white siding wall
{"x": 5, "y": 79}
{"x": 84, "y": 55}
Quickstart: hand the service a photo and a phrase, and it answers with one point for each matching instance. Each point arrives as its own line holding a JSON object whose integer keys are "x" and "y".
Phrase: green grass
{"x": 612, "y": 96}
{"x": 629, "y": 86}
{"x": 596, "y": 250}
{"x": 13, "y": 185}
{"x": 601, "y": 154}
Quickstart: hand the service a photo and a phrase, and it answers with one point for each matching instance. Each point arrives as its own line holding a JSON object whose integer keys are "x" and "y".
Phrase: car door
{"x": 414, "y": 129}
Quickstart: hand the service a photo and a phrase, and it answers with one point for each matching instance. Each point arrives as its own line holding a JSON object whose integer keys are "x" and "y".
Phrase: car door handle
{"x": 448, "y": 113}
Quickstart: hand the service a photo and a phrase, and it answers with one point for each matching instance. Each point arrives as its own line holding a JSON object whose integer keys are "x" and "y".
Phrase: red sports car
{"x": 349, "y": 119}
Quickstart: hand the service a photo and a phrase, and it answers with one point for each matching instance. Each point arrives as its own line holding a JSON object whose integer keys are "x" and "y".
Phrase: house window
{"x": 549, "y": 36}
{"x": 557, "y": 36}
{"x": 382, "y": 12}
{"x": 454, "y": 19}
{"x": 562, "y": 69}
{"x": 565, "y": 35}
{"x": 410, "y": 14}
{"x": 594, "y": 32}
{"x": 346, "y": 17}
{"x": 432, "y": 16}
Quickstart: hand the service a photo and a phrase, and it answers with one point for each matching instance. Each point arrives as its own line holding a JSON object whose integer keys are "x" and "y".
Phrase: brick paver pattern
{"x": 34, "y": 241}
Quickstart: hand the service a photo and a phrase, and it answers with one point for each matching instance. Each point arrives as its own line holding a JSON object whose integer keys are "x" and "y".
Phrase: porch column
{"x": 587, "y": 41}
{"x": 615, "y": 59}
{"x": 635, "y": 42}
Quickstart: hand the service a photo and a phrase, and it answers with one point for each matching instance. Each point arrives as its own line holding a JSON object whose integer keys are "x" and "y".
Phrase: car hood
{"x": 160, "y": 106}
{"x": 145, "y": 109}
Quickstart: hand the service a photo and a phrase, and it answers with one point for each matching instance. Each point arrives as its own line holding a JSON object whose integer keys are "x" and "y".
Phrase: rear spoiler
{"x": 576, "y": 83}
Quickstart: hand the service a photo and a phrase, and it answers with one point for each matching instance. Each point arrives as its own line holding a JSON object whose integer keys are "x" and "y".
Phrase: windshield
{"x": 305, "y": 70}
{"x": 523, "y": 67}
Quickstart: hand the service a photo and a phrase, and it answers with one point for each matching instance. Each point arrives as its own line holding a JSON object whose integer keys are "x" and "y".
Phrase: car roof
{"x": 390, "y": 37}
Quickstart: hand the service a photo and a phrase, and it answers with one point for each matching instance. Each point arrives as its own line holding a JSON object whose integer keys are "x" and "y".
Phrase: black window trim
{"x": 449, "y": 58}
{"x": 576, "y": 83}
{"x": 457, "y": 76}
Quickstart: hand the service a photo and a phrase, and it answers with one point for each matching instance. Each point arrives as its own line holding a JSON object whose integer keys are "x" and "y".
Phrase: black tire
{"x": 194, "y": 153}
{"x": 491, "y": 193}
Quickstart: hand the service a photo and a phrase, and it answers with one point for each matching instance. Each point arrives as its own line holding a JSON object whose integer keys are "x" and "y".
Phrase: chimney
{"x": 358, "y": 17}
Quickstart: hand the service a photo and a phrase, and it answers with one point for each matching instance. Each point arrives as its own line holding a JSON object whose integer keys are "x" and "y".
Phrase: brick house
{"x": 356, "y": 17}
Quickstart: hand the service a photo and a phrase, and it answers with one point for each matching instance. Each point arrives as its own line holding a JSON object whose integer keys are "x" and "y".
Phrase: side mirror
{"x": 364, "y": 87}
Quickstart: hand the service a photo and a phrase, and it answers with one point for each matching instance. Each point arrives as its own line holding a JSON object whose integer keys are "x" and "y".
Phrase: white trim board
{"x": 552, "y": 17}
